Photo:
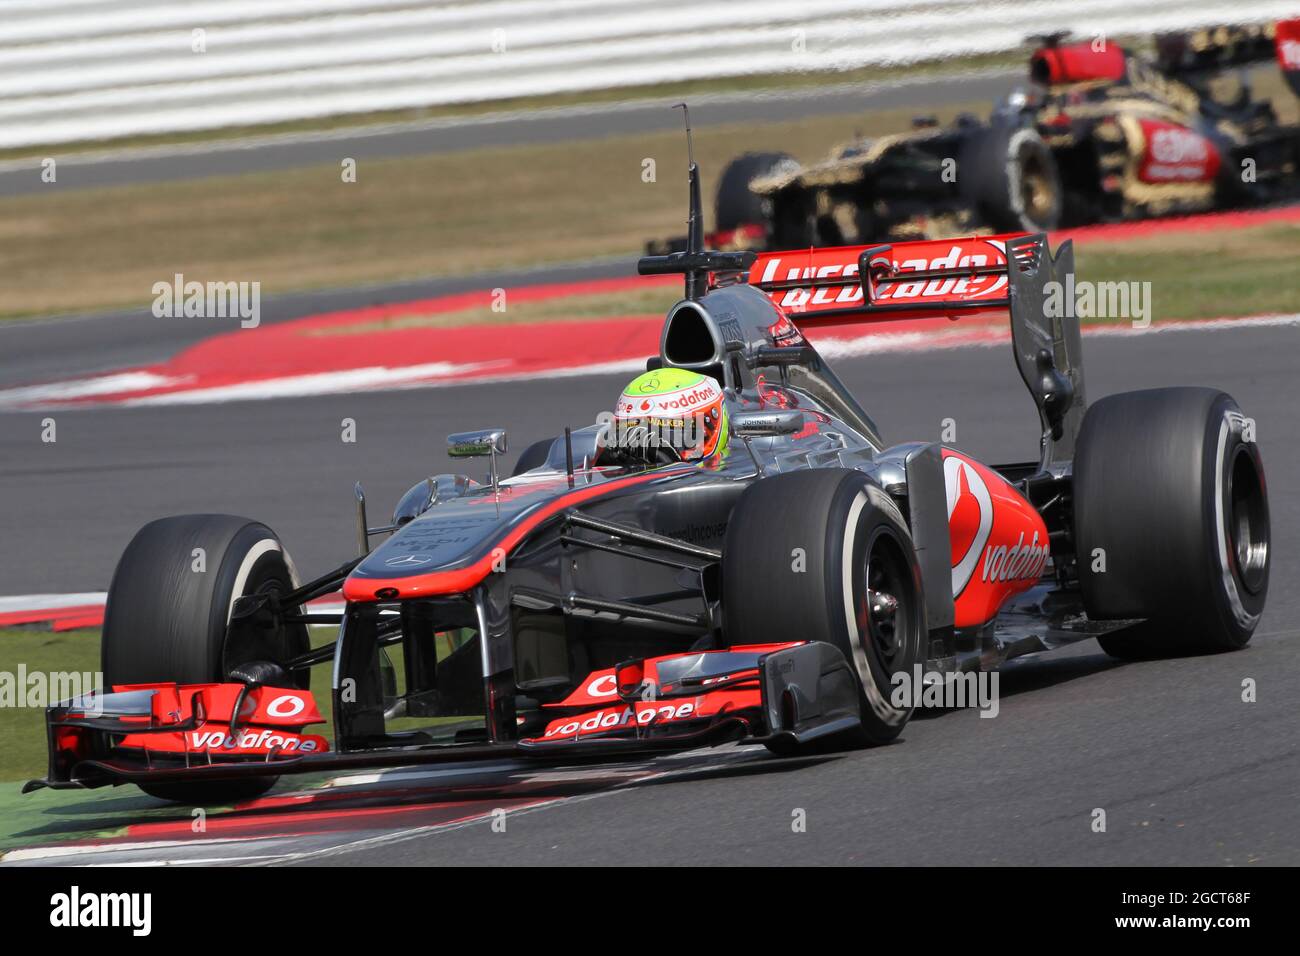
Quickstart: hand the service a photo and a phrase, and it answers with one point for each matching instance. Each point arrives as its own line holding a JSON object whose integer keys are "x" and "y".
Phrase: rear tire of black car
{"x": 533, "y": 456}
{"x": 801, "y": 551}
{"x": 168, "y": 607}
{"x": 1171, "y": 522}
{"x": 1013, "y": 179}
{"x": 736, "y": 205}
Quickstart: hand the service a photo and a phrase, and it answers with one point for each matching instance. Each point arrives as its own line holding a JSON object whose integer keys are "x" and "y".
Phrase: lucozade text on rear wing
{"x": 901, "y": 280}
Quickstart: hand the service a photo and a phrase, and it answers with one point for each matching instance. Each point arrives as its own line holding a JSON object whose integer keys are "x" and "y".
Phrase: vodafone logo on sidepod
{"x": 969, "y": 506}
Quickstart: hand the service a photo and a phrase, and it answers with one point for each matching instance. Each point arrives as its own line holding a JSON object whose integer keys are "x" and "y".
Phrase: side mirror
{"x": 480, "y": 444}
{"x": 487, "y": 442}
{"x": 766, "y": 424}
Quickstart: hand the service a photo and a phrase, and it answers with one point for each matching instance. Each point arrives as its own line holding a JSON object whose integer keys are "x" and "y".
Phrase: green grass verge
{"x": 632, "y": 302}
{"x": 49, "y": 815}
{"x": 22, "y": 730}
{"x": 403, "y": 218}
{"x": 1205, "y": 275}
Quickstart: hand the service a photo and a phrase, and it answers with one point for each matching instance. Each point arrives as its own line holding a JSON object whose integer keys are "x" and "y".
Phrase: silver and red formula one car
{"x": 775, "y": 580}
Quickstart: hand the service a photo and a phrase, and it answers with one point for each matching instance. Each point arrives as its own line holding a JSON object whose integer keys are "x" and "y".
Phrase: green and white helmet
{"x": 675, "y": 407}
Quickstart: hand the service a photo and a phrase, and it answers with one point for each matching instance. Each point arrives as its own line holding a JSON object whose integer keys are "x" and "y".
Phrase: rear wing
{"x": 1211, "y": 49}
{"x": 874, "y": 283}
{"x": 1013, "y": 275}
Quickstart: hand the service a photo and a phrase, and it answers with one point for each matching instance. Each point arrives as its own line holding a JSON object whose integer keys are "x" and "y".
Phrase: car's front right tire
{"x": 825, "y": 555}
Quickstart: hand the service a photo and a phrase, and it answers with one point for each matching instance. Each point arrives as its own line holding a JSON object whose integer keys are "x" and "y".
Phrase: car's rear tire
{"x": 801, "y": 551}
{"x": 736, "y": 204}
{"x": 1014, "y": 181}
{"x": 1171, "y": 521}
{"x": 168, "y": 607}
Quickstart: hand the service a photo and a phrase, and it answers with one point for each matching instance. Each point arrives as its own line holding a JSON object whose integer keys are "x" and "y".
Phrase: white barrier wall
{"x": 97, "y": 69}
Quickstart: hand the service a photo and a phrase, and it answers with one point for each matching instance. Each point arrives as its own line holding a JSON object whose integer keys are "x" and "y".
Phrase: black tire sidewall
{"x": 165, "y": 622}
{"x": 735, "y": 204}
{"x": 827, "y": 512}
{"x": 1168, "y": 550}
{"x": 1026, "y": 144}
{"x": 865, "y": 512}
{"x": 270, "y": 570}
{"x": 995, "y": 157}
{"x": 1238, "y": 609}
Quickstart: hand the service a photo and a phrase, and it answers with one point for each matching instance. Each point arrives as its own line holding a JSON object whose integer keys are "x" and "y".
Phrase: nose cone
{"x": 440, "y": 552}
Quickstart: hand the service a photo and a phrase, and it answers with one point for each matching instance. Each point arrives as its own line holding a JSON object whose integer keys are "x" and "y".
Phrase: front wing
{"x": 168, "y": 733}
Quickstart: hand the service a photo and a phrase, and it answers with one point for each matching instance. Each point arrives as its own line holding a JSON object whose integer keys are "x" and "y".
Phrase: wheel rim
{"x": 1037, "y": 190}
{"x": 889, "y": 612}
{"x": 276, "y": 647}
{"x": 1247, "y": 522}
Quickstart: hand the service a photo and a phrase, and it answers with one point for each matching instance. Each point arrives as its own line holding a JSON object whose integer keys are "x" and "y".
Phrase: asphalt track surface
{"x": 1186, "y": 772}
{"x": 538, "y": 126}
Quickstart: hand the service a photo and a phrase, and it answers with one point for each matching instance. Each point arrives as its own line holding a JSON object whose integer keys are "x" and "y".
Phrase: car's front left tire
{"x": 168, "y": 608}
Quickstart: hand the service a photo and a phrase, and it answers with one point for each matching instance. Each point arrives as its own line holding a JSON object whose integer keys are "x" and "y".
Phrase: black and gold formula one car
{"x": 1099, "y": 134}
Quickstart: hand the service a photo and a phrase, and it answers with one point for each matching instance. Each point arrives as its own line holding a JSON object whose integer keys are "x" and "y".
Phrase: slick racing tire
{"x": 168, "y": 608}
{"x": 1171, "y": 521}
{"x": 801, "y": 554}
{"x": 736, "y": 204}
{"x": 1015, "y": 182}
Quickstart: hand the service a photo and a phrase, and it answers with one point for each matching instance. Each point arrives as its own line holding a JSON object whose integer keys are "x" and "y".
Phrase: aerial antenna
{"x": 695, "y": 263}
{"x": 690, "y": 150}
{"x": 696, "y": 278}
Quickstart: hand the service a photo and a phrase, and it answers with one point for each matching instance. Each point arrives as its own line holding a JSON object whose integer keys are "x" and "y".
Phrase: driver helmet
{"x": 672, "y": 408}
